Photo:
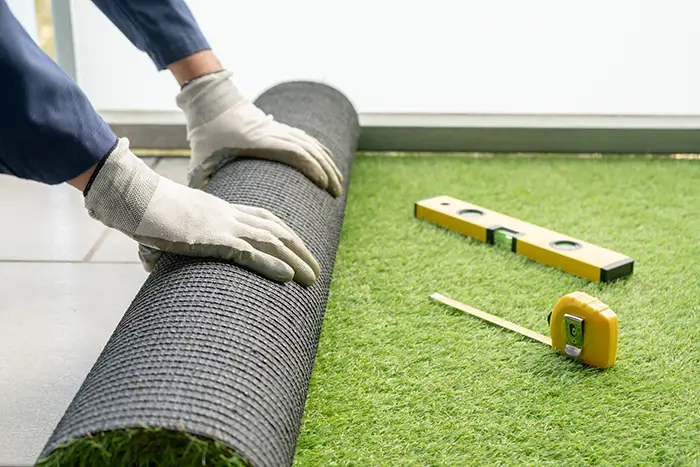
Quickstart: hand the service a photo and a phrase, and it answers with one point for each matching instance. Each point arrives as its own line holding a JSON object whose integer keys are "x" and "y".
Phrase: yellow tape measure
{"x": 581, "y": 327}
{"x": 545, "y": 246}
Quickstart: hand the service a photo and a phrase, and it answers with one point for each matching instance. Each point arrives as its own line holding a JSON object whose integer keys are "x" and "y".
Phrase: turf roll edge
{"x": 211, "y": 363}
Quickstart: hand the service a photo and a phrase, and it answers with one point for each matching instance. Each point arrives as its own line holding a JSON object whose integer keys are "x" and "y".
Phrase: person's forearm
{"x": 80, "y": 182}
{"x": 194, "y": 66}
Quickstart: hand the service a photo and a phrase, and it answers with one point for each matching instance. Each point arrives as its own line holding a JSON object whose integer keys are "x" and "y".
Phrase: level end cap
{"x": 617, "y": 270}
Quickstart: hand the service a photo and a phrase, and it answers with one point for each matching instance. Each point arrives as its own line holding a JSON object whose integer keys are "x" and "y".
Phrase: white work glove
{"x": 128, "y": 196}
{"x": 222, "y": 124}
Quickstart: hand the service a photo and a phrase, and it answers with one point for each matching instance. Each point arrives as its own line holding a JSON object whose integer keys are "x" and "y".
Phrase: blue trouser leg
{"x": 164, "y": 29}
{"x": 49, "y": 131}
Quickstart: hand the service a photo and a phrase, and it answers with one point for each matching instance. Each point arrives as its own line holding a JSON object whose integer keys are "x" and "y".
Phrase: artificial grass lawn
{"x": 401, "y": 380}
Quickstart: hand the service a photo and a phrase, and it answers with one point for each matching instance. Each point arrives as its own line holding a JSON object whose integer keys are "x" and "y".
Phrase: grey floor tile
{"x": 54, "y": 321}
{"x": 44, "y": 223}
{"x": 116, "y": 247}
{"x": 149, "y": 160}
{"x": 174, "y": 168}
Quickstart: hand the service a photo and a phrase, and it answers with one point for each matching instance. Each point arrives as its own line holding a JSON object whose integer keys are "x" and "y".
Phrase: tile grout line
{"x": 98, "y": 243}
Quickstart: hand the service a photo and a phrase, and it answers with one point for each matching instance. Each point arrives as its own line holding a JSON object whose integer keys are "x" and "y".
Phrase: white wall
{"x": 442, "y": 56}
{"x": 25, "y": 12}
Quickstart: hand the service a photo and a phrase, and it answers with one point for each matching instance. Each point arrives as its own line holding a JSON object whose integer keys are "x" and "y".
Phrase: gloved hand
{"x": 129, "y": 196}
{"x": 222, "y": 124}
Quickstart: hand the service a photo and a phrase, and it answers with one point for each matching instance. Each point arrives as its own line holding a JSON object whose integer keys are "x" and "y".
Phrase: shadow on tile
{"x": 116, "y": 247}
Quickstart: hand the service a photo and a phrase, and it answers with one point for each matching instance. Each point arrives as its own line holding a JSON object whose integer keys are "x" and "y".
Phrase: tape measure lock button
{"x": 574, "y": 334}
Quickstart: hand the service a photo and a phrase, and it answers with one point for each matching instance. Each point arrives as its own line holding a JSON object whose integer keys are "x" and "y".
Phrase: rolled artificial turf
{"x": 212, "y": 350}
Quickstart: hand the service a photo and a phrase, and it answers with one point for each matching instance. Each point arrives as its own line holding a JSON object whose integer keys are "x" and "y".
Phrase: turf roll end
{"x": 143, "y": 447}
{"x": 211, "y": 363}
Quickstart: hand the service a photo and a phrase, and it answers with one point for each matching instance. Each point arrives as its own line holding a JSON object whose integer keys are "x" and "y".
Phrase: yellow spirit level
{"x": 581, "y": 327}
{"x": 542, "y": 245}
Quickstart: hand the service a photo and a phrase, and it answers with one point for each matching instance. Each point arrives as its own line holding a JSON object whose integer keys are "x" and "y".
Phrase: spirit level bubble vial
{"x": 544, "y": 246}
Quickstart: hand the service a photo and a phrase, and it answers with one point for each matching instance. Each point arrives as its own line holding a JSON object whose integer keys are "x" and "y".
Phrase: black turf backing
{"x": 215, "y": 350}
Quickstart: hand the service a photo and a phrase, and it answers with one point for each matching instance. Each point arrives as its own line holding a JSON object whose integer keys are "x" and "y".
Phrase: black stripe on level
{"x": 490, "y": 231}
{"x": 617, "y": 270}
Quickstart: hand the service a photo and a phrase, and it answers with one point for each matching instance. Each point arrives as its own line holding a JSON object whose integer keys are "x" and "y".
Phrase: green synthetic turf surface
{"x": 400, "y": 380}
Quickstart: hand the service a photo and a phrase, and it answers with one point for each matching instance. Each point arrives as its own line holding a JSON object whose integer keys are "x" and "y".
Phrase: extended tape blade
{"x": 492, "y": 319}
